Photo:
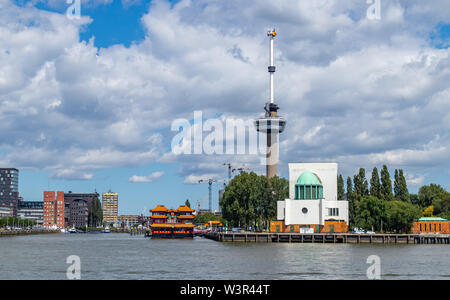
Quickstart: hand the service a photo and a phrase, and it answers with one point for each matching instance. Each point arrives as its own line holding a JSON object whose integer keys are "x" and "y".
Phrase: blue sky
{"x": 87, "y": 104}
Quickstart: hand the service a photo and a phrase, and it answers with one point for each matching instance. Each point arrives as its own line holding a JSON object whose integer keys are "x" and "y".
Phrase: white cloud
{"x": 352, "y": 90}
{"x": 152, "y": 177}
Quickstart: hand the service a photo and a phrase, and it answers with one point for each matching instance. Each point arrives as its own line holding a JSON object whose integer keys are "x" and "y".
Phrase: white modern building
{"x": 313, "y": 199}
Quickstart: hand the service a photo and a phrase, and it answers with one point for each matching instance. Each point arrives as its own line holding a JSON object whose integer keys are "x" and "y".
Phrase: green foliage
{"x": 375, "y": 187}
{"x": 386, "y": 185}
{"x": 340, "y": 188}
{"x": 95, "y": 217}
{"x": 370, "y": 213}
{"x": 203, "y": 219}
{"x": 187, "y": 203}
{"x": 442, "y": 206}
{"x": 414, "y": 199}
{"x": 17, "y": 222}
{"x": 428, "y": 212}
{"x": 361, "y": 186}
{"x": 351, "y": 202}
{"x": 431, "y": 193}
{"x": 250, "y": 200}
{"x": 400, "y": 187}
{"x": 400, "y": 215}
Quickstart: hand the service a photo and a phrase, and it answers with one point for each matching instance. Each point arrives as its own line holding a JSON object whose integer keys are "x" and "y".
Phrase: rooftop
{"x": 308, "y": 178}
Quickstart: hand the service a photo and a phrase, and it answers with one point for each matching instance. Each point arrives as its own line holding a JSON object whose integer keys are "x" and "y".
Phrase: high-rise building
{"x": 77, "y": 208}
{"x": 53, "y": 211}
{"x": 110, "y": 207}
{"x": 9, "y": 188}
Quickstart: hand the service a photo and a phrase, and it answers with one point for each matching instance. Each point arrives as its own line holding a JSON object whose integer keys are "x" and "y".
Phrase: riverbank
{"x": 340, "y": 238}
{"x": 6, "y": 233}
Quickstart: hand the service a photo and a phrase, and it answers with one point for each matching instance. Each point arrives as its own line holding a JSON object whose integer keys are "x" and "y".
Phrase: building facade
{"x": 110, "y": 204}
{"x": 6, "y": 211}
{"x": 53, "y": 209}
{"x": 169, "y": 223}
{"x": 77, "y": 208}
{"x": 129, "y": 220}
{"x": 433, "y": 225}
{"x": 312, "y": 205}
{"x": 31, "y": 210}
{"x": 9, "y": 188}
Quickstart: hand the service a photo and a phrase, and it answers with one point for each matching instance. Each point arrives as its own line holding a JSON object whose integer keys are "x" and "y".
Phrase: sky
{"x": 88, "y": 103}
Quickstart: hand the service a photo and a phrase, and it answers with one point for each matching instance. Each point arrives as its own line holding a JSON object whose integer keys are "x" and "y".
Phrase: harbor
{"x": 341, "y": 238}
{"x": 121, "y": 256}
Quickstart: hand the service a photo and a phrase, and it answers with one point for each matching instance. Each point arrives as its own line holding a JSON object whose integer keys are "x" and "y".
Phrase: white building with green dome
{"x": 312, "y": 196}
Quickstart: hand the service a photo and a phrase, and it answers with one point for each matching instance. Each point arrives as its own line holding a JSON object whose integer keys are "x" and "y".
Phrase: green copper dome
{"x": 309, "y": 178}
{"x": 308, "y": 187}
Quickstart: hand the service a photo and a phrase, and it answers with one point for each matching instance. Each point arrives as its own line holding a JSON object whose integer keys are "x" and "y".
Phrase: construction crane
{"x": 229, "y": 170}
{"x": 210, "y": 183}
{"x": 199, "y": 203}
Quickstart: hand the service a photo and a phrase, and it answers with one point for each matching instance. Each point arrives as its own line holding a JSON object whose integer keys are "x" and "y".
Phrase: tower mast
{"x": 271, "y": 124}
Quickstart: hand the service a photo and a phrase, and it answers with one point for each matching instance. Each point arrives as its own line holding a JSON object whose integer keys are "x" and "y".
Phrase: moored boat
{"x": 172, "y": 224}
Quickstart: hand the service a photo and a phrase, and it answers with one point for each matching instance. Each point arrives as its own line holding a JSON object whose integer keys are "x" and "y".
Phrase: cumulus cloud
{"x": 150, "y": 178}
{"x": 353, "y": 90}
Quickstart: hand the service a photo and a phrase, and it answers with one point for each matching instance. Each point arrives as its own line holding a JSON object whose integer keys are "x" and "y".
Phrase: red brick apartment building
{"x": 53, "y": 209}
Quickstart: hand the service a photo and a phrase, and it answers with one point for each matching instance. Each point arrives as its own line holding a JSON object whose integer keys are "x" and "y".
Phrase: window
{"x": 333, "y": 212}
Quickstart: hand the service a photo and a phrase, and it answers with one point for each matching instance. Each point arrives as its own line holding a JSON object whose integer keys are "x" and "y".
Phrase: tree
{"x": 414, "y": 199}
{"x": 361, "y": 186}
{"x": 400, "y": 187}
{"x": 206, "y": 218}
{"x": 95, "y": 217}
{"x": 187, "y": 203}
{"x": 375, "y": 187}
{"x": 386, "y": 185}
{"x": 371, "y": 213}
{"x": 340, "y": 188}
{"x": 351, "y": 202}
{"x": 250, "y": 200}
{"x": 430, "y": 193}
{"x": 428, "y": 212}
{"x": 442, "y": 206}
{"x": 400, "y": 216}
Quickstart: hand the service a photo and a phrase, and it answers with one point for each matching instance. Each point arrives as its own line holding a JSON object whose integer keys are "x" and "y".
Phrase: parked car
{"x": 358, "y": 230}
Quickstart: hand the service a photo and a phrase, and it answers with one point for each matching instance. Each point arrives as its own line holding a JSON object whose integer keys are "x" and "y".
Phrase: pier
{"x": 347, "y": 238}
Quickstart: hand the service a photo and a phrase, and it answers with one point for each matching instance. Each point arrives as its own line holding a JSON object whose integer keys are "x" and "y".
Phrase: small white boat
{"x": 106, "y": 230}
{"x": 72, "y": 230}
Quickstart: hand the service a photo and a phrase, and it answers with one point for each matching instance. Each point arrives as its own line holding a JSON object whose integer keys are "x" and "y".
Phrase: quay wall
{"x": 6, "y": 233}
{"x": 339, "y": 238}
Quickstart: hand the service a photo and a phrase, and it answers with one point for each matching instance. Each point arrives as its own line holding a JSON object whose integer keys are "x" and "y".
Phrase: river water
{"x": 121, "y": 256}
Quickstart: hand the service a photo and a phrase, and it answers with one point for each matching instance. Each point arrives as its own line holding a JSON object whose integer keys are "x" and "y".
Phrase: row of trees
{"x": 16, "y": 222}
{"x": 383, "y": 206}
{"x": 250, "y": 200}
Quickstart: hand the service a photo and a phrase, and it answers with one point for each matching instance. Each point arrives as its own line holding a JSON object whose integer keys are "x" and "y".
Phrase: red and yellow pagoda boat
{"x": 172, "y": 224}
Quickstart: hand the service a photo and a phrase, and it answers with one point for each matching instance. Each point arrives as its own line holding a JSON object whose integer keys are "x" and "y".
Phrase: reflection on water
{"x": 120, "y": 256}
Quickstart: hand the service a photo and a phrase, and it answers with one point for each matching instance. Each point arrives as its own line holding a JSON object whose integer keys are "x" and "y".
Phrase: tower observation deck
{"x": 271, "y": 124}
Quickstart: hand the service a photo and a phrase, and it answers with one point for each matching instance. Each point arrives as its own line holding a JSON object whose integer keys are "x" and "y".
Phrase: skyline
{"x": 77, "y": 113}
